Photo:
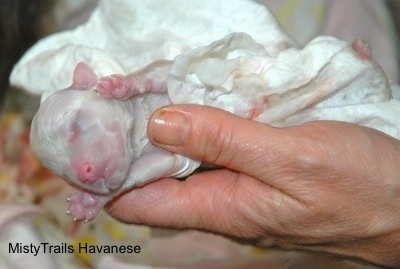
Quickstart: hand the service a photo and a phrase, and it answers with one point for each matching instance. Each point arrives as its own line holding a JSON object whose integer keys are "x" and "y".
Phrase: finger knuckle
{"x": 217, "y": 141}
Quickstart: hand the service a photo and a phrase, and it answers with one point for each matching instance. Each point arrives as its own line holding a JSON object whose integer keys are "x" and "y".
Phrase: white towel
{"x": 234, "y": 56}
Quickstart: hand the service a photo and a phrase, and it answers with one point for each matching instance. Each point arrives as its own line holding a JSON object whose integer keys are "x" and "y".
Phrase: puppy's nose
{"x": 87, "y": 173}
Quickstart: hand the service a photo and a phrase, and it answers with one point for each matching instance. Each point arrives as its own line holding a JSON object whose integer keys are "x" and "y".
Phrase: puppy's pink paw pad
{"x": 85, "y": 206}
{"x": 114, "y": 86}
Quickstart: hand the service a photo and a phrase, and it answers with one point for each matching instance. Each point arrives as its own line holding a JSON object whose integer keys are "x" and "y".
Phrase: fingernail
{"x": 170, "y": 127}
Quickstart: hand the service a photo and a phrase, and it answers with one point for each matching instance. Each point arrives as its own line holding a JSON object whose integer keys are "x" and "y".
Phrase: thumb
{"x": 214, "y": 136}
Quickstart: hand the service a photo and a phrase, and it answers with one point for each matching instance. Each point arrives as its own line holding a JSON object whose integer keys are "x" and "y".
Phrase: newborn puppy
{"x": 100, "y": 144}
{"x": 94, "y": 132}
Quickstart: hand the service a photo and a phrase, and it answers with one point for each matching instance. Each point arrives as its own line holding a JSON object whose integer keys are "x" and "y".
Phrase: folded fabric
{"x": 328, "y": 79}
{"x": 124, "y": 36}
{"x": 256, "y": 72}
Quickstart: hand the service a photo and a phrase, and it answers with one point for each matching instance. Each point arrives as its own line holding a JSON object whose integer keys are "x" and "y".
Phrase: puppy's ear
{"x": 84, "y": 77}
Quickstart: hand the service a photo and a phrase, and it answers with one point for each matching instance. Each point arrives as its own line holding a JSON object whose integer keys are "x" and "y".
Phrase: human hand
{"x": 323, "y": 186}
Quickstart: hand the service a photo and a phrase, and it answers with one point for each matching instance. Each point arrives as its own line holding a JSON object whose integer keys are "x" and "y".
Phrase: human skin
{"x": 324, "y": 186}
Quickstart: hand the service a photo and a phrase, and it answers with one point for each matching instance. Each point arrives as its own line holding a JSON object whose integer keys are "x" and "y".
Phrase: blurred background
{"x": 33, "y": 198}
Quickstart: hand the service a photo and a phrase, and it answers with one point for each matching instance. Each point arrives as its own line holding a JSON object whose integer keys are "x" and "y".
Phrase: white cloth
{"x": 324, "y": 80}
{"x": 347, "y": 20}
